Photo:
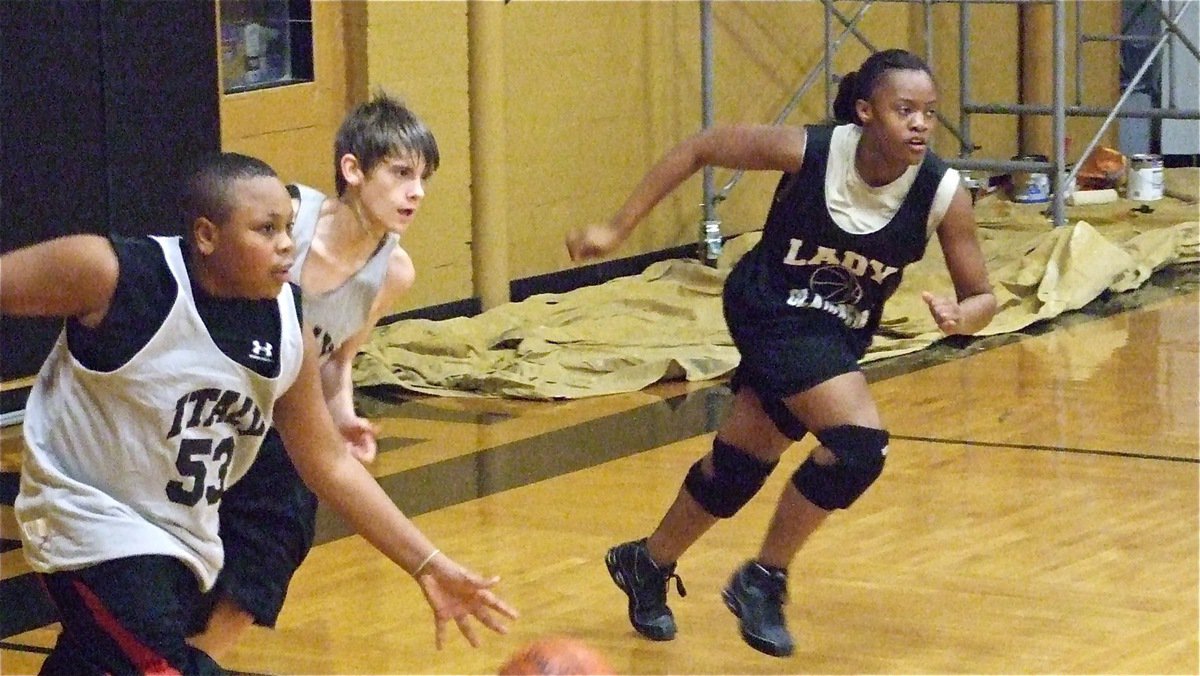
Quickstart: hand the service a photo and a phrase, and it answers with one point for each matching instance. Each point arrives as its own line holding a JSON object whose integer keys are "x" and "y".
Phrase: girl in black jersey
{"x": 855, "y": 205}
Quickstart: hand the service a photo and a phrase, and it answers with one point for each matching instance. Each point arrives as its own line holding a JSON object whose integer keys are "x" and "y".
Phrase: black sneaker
{"x": 645, "y": 584}
{"x": 756, "y": 595}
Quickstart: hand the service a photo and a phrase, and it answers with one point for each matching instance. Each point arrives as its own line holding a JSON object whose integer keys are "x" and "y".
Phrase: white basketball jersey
{"x": 340, "y": 313}
{"x": 134, "y": 461}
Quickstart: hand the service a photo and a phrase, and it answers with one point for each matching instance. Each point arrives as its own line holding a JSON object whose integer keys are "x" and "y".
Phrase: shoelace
{"x": 668, "y": 573}
{"x": 678, "y": 583}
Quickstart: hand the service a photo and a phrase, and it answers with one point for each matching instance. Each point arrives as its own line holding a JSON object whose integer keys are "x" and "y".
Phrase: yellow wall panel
{"x": 595, "y": 92}
{"x": 418, "y": 52}
{"x": 292, "y": 127}
{"x": 301, "y": 155}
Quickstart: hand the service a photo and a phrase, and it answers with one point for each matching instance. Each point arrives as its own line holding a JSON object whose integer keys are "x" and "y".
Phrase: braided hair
{"x": 861, "y": 84}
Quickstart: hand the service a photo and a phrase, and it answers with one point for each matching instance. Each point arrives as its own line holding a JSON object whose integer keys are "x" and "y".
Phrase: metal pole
{"x": 927, "y": 15}
{"x": 1043, "y": 166}
{"x": 966, "y": 147}
{"x": 827, "y": 61}
{"x": 1059, "y": 131}
{"x": 1084, "y": 111}
{"x": 710, "y": 227}
{"x": 1169, "y": 66}
{"x": 1141, "y": 72}
{"x": 1079, "y": 52}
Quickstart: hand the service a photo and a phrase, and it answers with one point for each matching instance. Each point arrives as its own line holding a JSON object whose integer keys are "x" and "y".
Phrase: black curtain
{"x": 102, "y": 102}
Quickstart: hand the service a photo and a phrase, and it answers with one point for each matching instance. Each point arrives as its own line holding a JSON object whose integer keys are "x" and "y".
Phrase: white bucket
{"x": 1145, "y": 178}
{"x": 1030, "y": 187}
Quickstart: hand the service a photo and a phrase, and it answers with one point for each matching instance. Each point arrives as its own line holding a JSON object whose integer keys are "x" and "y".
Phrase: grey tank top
{"x": 338, "y": 314}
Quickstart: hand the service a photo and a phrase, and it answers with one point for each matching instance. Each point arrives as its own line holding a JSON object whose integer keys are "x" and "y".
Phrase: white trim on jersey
{"x": 861, "y": 209}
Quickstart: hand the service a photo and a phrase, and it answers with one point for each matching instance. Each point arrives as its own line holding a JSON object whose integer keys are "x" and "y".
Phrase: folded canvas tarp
{"x": 666, "y": 322}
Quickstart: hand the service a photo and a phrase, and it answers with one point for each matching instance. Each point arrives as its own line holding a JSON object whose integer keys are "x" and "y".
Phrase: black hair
{"x": 378, "y": 130}
{"x": 206, "y": 190}
{"x": 861, "y": 84}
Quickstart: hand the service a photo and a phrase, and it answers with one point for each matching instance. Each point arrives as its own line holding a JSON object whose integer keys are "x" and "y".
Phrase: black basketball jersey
{"x": 805, "y": 262}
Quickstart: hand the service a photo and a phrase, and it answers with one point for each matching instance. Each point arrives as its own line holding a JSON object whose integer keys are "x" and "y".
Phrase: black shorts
{"x": 268, "y": 520}
{"x": 126, "y": 616}
{"x": 794, "y": 352}
{"x": 787, "y": 351}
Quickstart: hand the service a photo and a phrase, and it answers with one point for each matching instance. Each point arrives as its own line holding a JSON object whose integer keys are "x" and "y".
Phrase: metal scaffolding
{"x": 1056, "y": 166}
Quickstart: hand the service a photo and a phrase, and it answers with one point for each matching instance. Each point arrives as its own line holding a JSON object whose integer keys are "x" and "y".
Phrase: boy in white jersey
{"x": 175, "y": 359}
{"x": 353, "y": 271}
{"x": 855, "y": 205}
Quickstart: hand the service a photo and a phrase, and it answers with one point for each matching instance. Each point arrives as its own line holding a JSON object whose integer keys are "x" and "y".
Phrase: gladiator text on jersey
{"x": 850, "y": 315}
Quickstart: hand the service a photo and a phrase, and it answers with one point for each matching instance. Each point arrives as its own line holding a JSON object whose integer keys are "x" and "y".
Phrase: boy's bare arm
{"x": 453, "y": 592}
{"x": 321, "y": 458}
{"x": 72, "y": 276}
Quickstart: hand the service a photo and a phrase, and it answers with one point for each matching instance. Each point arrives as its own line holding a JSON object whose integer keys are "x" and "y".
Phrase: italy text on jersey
{"x": 203, "y": 460}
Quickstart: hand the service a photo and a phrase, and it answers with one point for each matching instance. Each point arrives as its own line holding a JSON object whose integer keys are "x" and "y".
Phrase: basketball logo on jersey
{"x": 850, "y": 315}
{"x": 835, "y": 284}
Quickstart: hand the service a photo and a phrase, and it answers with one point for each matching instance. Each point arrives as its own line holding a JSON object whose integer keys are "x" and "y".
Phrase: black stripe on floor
{"x": 384, "y": 444}
{"x": 381, "y": 401}
{"x": 501, "y": 468}
{"x": 1055, "y": 449}
{"x": 8, "y": 645}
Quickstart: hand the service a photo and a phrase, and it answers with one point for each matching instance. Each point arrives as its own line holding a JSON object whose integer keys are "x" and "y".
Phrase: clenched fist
{"x": 592, "y": 241}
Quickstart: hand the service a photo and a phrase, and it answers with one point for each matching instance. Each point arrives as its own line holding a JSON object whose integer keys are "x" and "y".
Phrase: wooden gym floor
{"x": 1039, "y": 514}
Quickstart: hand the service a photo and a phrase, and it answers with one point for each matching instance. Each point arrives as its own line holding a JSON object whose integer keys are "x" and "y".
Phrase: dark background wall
{"x": 102, "y": 102}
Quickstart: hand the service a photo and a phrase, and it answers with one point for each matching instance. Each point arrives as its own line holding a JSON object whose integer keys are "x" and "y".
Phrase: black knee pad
{"x": 860, "y": 453}
{"x": 737, "y": 477}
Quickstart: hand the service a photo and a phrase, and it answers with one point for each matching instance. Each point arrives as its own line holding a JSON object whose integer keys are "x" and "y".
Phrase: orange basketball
{"x": 556, "y": 655}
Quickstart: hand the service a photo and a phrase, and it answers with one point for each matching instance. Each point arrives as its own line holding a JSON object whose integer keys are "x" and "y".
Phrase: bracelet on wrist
{"x": 425, "y": 563}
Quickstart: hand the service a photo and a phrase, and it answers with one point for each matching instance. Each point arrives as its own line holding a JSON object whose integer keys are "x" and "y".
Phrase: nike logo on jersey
{"x": 261, "y": 351}
{"x": 855, "y": 262}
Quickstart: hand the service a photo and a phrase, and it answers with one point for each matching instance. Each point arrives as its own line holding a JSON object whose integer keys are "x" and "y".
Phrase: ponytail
{"x": 843, "y": 104}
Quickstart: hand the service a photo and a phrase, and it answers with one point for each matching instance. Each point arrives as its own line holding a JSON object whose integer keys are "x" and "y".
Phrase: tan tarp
{"x": 666, "y": 323}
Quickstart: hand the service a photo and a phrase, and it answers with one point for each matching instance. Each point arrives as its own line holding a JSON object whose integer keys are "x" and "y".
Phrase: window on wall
{"x": 265, "y": 43}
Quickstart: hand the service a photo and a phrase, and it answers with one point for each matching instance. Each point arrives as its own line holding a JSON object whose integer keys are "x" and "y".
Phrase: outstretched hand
{"x": 359, "y": 434}
{"x": 592, "y": 241}
{"x": 946, "y": 312}
{"x": 455, "y": 593}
